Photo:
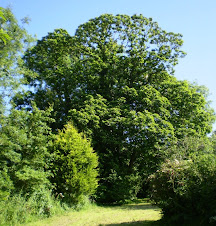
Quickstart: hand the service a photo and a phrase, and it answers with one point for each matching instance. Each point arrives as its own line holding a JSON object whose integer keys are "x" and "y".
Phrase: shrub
{"x": 185, "y": 188}
{"x": 74, "y": 166}
{"x": 24, "y": 139}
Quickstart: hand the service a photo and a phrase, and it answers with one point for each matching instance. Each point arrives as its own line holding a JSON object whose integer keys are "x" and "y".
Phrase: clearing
{"x": 140, "y": 213}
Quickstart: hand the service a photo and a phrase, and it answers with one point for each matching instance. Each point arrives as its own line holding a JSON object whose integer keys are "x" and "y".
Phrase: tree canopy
{"x": 14, "y": 40}
{"x": 114, "y": 79}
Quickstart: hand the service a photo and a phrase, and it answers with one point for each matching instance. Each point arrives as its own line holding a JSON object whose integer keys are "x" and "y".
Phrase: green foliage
{"x": 184, "y": 186}
{"x": 20, "y": 209}
{"x": 4, "y": 37}
{"x": 113, "y": 80}
{"x": 118, "y": 188}
{"x": 6, "y": 185}
{"x": 14, "y": 43}
{"x": 213, "y": 140}
{"x": 24, "y": 138}
{"x": 124, "y": 150}
{"x": 74, "y": 166}
{"x": 14, "y": 39}
{"x": 51, "y": 75}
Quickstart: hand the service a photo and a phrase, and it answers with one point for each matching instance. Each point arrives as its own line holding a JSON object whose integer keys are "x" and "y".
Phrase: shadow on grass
{"x": 143, "y": 206}
{"x": 168, "y": 222}
{"x": 145, "y": 223}
{"x": 140, "y": 204}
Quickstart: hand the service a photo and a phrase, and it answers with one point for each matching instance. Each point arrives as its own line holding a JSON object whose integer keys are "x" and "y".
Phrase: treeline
{"x": 110, "y": 87}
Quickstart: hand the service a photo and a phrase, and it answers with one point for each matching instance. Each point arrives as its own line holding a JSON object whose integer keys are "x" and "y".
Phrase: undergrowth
{"x": 19, "y": 209}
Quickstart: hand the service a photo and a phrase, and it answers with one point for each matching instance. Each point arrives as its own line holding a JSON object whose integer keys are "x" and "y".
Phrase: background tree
{"x": 14, "y": 39}
{"x": 23, "y": 151}
{"x": 114, "y": 80}
{"x": 52, "y": 75}
{"x": 24, "y": 137}
{"x": 4, "y": 37}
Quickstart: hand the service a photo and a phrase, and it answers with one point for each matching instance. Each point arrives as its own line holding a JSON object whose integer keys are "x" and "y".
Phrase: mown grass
{"x": 139, "y": 213}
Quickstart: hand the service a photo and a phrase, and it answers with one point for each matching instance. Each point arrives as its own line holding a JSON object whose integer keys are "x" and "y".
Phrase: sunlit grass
{"x": 141, "y": 213}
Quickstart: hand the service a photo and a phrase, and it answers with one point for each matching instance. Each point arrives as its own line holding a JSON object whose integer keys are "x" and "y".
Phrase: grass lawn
{"x": 140, "y": 213}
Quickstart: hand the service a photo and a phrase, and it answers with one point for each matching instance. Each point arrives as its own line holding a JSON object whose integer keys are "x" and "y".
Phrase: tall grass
{"x": 20, "y": 209}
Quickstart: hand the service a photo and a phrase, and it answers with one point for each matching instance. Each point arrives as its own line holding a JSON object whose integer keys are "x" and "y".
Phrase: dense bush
{"x": 24, "y": 139}
{"x": 185, "y": 185}
{"x": 119, "y": 188}
{"x": 74, "y": 166}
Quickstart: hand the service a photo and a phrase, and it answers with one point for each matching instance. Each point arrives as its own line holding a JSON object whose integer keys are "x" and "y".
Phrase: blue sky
{"x": 194, "y": 19}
